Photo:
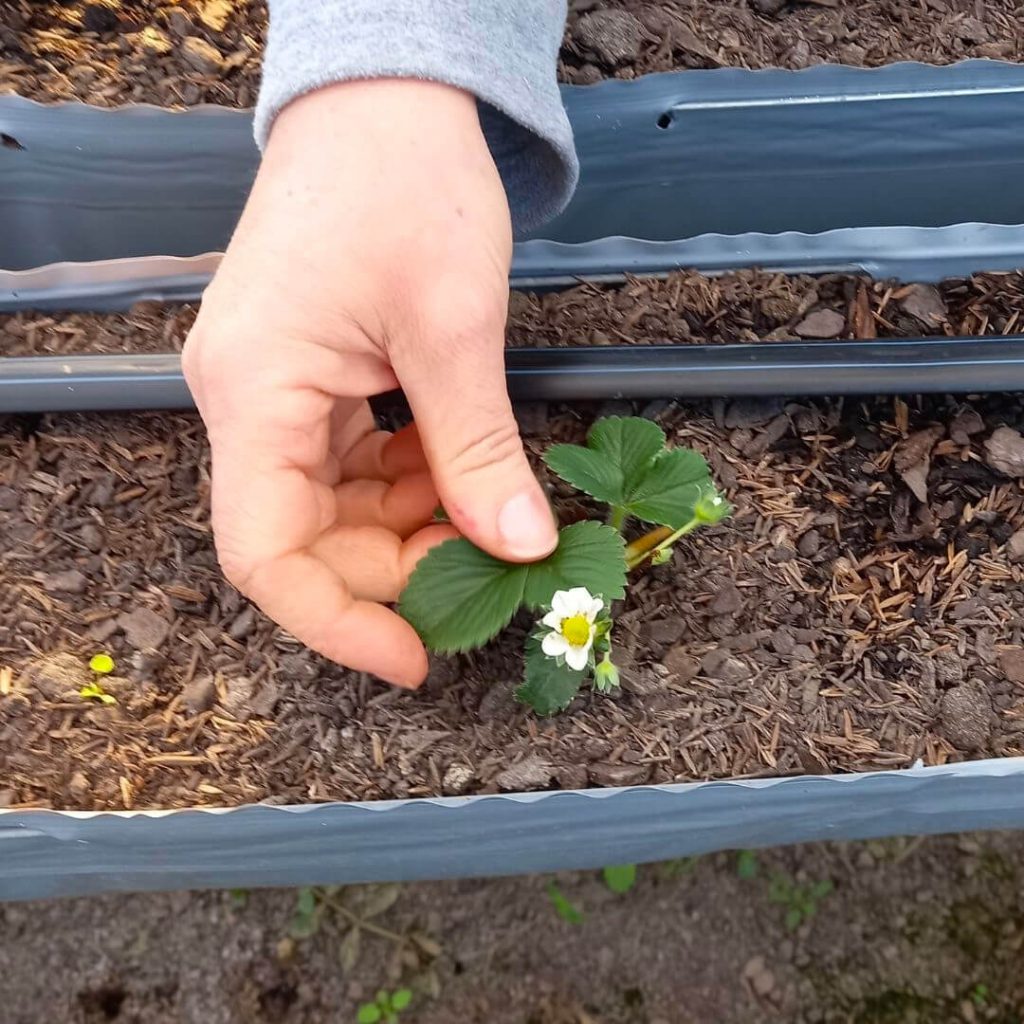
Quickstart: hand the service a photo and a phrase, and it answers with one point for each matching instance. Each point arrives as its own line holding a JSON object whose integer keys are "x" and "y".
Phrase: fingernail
{"x": 526, "y": 526}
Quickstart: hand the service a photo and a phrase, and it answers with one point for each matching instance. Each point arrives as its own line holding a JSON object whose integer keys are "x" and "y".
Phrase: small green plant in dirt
{"x": 564, "y": 908}
{"x": 385, "y": 1008}
{"x": 459, "y": 597}
{"x": 349, "y": 914}
{"x": 620, "y": 878}
{"x": 100, "y": 665}
{"x": 799, "y": 901}
{"x": 746, "y": 865}
{"x": 979, "y": 995}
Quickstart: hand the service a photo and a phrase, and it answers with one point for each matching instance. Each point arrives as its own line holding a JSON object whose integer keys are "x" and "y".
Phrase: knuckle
{"x": 487, "y": 450}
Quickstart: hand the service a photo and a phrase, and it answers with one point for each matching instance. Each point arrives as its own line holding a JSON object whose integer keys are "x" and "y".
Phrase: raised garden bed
{"x": 842, "y": 658}
{"x": 100, "y": 230}
{"x": 860, "y": 611}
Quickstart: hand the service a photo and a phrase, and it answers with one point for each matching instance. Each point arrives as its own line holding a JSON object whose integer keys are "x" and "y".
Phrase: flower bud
{"x": 606, "y": 675}
{"x": 710, "y": 508}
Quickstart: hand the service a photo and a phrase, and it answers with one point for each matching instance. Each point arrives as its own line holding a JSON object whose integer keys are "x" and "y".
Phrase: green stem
{"x": 617, "y": 517}
{"x": 666, "y": 543}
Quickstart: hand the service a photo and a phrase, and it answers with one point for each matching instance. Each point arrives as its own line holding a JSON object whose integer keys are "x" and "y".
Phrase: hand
{"x": 373, "y": 252}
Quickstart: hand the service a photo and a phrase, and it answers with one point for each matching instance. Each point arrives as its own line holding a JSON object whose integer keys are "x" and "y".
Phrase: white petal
{"x": 554, "y": 644}
{"x": 577, "y": 657}
{"x": 552, "y": 620}
{"x": 596, "y": 606}
{"x": 562, "y": 604}
{"x": 580, "y": 599}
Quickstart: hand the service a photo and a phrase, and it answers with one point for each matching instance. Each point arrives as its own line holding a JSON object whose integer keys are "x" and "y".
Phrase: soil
{"x": 861, "y": 610}
{"x": 913, "y": 932}
{"x": 183, "y": 52}
{"x": 686, "y": 307}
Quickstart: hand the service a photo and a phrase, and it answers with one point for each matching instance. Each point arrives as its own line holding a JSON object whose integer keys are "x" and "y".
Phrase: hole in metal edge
{"x": 666, "y": 120}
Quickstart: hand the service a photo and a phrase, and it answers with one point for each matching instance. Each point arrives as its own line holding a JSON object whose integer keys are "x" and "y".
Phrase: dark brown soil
{"x": 183, "y": 52}
{"x": 626, "y": 38}
{"x": 686, "y": 307}
{"x": 861, "y": 610}
{"x": 914, "y": 932}
{"x": 750, "y": 305}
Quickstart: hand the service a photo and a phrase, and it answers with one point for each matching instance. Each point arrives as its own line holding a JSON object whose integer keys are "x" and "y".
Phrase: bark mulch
{"x": 182, "y": 52}
{"x": 863, "y": 609}
{"x": 686, "y": 307}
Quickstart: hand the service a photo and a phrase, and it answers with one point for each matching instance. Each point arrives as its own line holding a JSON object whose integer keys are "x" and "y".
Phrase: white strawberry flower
{"x": 572, "y": 624}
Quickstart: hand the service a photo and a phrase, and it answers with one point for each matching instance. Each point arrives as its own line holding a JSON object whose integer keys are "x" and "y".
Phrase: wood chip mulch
{"x": 863, "y": 609}
{"x": 177, "y": 53}
{"x": 686, "y": 307}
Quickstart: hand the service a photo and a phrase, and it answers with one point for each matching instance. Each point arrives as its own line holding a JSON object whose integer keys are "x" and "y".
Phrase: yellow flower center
{"x": 576, "y": 630}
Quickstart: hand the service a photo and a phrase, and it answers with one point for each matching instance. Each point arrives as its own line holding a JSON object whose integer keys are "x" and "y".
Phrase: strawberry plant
{"x": 459, "y": 597}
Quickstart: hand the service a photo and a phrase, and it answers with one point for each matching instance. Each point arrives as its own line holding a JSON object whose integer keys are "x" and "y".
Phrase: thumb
{"x": 456, "y": 389}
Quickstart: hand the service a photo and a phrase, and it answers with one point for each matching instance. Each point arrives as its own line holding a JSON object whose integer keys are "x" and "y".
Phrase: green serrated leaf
{"x": 369, "y": 1013}
{"x": 401, "y": 999}
{"x": 547, "y": 686}
{"x": 589, "y": 471}
{"x": 589, "y": 555}
{"x": 459, "y": 597}
{"x": 620, "y": 878}
{"x": 630, "y": 442}
{"x": 671, "y": 489}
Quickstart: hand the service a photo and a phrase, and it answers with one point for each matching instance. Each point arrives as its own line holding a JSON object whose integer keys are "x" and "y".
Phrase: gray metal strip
{"x": 108, "y": 383}
{"x": 905, "y": 253}
{"x": 826, "y": 168}
{"x": 49, "y": 853}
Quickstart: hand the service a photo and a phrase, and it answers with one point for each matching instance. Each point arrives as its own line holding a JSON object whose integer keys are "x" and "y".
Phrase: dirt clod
{"x": 1004, "y": 451}
{"x": 965, "y": 716}
{"x": 530, "y": 773}
{"x": 200, "y": 694}
{"x": 143, "y": 628}
{"x": 613, "y": 37}
{"x": 822, "y": 323}
{"x": 1011, "y": 661}
{"x": 1015, "y": 547}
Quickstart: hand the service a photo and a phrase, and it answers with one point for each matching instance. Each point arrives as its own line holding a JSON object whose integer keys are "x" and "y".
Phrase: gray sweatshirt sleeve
{"x": 502, "y": 51}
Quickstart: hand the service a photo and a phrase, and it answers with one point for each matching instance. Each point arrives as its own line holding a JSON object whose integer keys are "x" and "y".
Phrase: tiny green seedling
{"x": 565, "y": 909}
{"x": 800, "y": 901}
{"x": 385, "y": 1008}
{"x": 746, "y": 865}
{"x": 979, "y": 995}
{"x": 620, "y": 878}
{"x": 459, "y": 597}
{"x": 100, "y": 665}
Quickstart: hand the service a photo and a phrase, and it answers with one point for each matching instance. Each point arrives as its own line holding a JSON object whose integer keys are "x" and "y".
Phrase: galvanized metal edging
{"x": 47, "y": 853}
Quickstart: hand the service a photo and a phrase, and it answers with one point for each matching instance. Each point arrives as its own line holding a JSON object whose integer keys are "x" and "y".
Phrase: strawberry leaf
{"x": 547, "y": 686}
{"x": 627, "y": 465}
{"x": 674, "y": 483}
{"x": 630, "y": 443}
{"x": 458, "y": 597}
{"x": 589, "y": 555}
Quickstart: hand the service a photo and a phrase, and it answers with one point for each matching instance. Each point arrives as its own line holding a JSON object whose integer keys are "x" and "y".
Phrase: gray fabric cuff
{"x": 503, "y": 51}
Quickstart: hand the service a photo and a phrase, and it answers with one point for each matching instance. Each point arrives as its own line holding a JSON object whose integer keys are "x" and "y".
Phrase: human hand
{"x": 373, "y": 252}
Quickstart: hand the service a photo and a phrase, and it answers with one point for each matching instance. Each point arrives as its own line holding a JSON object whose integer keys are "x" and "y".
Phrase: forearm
{"x": 502, "y": 52}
